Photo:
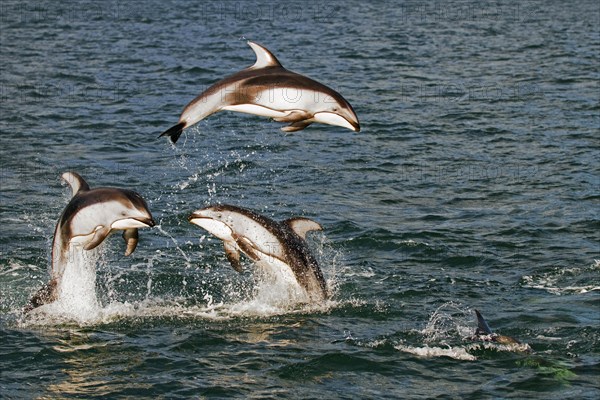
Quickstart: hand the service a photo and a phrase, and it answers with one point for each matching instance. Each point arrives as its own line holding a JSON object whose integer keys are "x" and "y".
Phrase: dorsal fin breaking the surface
{"x": 482, "y": 327}
{"x": 77, "y": 183}
{"x": 264, "y": 58}
{"x": 302, "y": 225}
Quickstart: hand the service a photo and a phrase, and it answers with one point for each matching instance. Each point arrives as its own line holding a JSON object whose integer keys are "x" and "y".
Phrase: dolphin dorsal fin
{"x": 77, "y": 183}
{"x": 482, "y": 327}
{"x": 264, "y": 58}
{"x": 302, "y": 225}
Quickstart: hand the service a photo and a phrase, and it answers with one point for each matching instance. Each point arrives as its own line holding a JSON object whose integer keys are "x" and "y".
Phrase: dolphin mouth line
{"x": 146, "y": 221}
{"x": 196, "y": 216}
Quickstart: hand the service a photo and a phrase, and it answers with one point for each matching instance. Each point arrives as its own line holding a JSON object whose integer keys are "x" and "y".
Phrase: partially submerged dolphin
{"x": 271, "y": 244}
{"x": 267, "y": 89}
{"x": 89, "y": 218}
{"x": 483, "y": 332}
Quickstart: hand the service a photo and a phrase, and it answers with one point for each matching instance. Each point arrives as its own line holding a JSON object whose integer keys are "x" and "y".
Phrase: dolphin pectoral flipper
{"x": 131, "y": 240}
{"x": 233, "y": 255}
{"x": 174, "y": 132}
{"x": 77, "y": 183}
{"x": 98, "y": 238}
{"x": 246, "y": 246}
{"x": 303, "y": 225}
{"x": 297, "y": 126}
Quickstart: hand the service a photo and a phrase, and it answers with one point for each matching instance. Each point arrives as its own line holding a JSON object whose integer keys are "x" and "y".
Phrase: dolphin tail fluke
{"x": 174, "y": 132}
{"x": 482, "y": 327}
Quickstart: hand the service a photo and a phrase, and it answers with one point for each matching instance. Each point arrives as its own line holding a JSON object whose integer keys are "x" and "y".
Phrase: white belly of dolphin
{"x": 257, "y": 110}
{"x": 277, "y": 283}
{"x": 217, "y": 228}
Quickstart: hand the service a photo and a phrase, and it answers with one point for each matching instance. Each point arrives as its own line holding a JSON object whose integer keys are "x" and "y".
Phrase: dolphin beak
{"x": 345, "y": 119}
{"x": 197, "y": 218}
{"x": 350, "y": 116}
{"x": 194, "y": 216}
{"x": 214, "y": 226}
{"x": 129, "y": 223}
{"x": 148, "y": 221}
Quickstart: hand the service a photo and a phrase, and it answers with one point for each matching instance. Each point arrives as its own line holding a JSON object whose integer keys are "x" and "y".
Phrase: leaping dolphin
{"x": 268, "y": 89}
{"x": 89, "y": 218}
{"x": 271, "y": 244}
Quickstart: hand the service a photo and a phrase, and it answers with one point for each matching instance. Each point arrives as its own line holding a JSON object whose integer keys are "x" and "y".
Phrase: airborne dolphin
{"x": 88, "y": 219}
{"x": 268, "y": 89}
{"x": 271, "y": 244}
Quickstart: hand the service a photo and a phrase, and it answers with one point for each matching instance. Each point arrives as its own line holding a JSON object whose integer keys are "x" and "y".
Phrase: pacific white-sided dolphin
{"x": 267, "y": 89}
{"x": 483, "y": 332}
{"x": 89, "y": 218}
{"x": 271, "y": 244}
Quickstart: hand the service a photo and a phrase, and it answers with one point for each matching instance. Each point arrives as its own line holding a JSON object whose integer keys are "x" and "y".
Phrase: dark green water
{"x": 474, "y": 183}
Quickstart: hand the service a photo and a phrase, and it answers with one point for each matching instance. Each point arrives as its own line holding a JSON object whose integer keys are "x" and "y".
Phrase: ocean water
{"x": 474, "y": 184}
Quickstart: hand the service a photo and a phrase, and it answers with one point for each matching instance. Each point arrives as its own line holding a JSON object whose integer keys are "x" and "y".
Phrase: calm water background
{"x": 473, "y": 184}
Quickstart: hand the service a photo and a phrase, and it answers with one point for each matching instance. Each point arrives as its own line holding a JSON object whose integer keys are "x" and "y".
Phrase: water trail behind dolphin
{"x": 77, "y": 299}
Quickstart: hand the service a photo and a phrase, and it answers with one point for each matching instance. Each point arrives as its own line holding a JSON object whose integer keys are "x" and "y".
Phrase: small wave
{"x": 510, "y": 348}
{"x": 564, "y": 281}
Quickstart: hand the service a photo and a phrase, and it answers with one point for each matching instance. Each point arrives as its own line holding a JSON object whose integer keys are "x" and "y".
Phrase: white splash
{"x": 77, "y": 299}
{"x": 564, "y": 281}
{"x": 447, "y": 319}
{"x": 274, "y": 292}
{"x": 458, "y": 353}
